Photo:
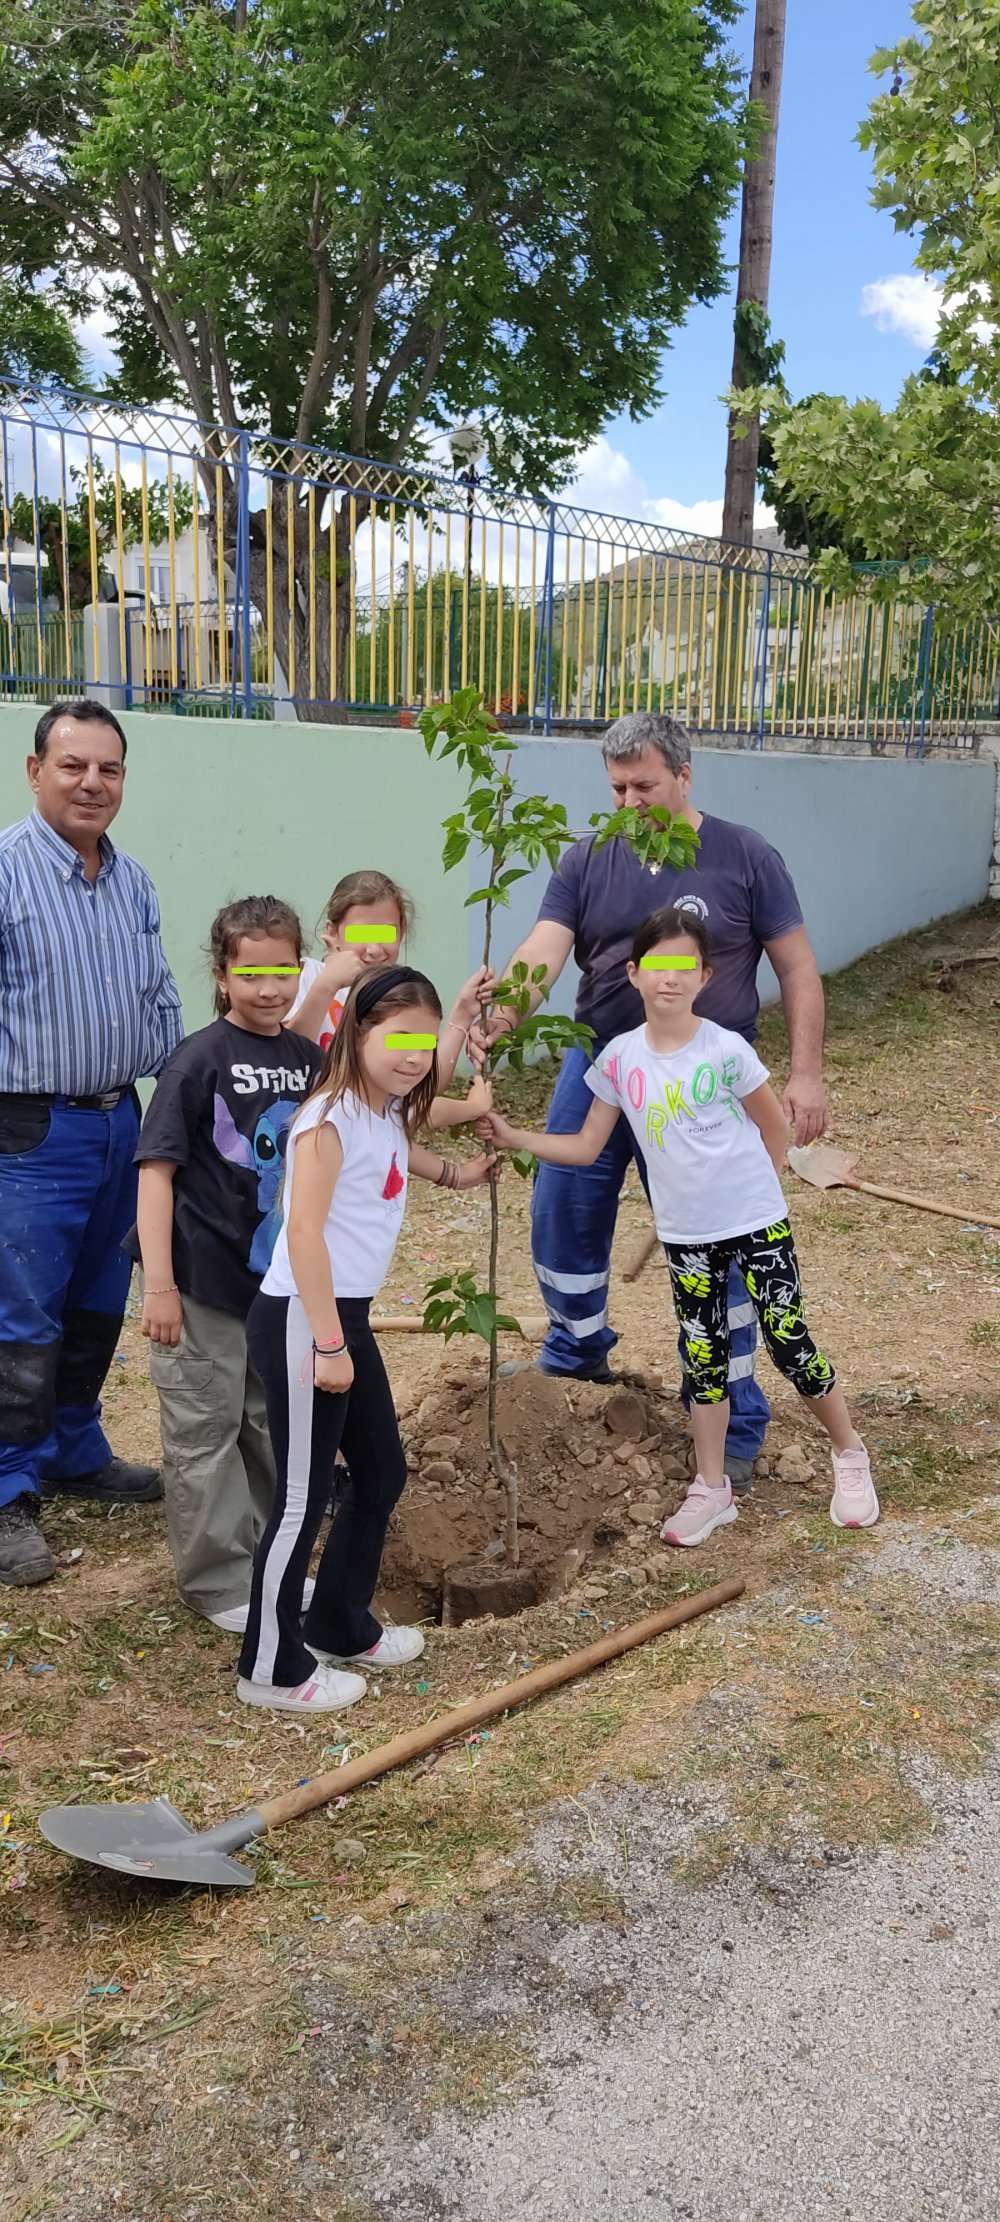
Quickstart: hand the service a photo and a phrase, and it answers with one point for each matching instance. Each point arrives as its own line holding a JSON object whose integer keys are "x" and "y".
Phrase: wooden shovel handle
{"x": 925, "y": 1203}
{"x": 641, "y": 1258}
{"x": 337, "y": 1780}
{"x": 533, "y": 1325}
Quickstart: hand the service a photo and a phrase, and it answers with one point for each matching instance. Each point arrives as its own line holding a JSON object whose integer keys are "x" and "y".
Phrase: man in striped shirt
{"x": 87, "y": 1007}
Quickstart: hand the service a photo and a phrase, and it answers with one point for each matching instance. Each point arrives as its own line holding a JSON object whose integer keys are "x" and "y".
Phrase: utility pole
{"x": 756, "y": 239}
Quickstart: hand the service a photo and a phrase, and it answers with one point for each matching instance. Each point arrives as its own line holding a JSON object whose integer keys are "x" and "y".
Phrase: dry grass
{"x": 131, "y": 2015}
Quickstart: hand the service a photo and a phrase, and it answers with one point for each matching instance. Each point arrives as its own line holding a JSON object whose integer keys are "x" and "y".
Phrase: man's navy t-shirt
{"x": 739, "y": 886}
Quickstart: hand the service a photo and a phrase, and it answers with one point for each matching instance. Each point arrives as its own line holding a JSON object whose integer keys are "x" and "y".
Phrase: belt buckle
{"x": 108, "y": 1099}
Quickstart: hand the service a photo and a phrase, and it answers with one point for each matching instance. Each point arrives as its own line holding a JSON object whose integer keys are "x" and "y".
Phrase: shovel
{"x": 824, "y": 1167}
{"x": 155, "y": 1842}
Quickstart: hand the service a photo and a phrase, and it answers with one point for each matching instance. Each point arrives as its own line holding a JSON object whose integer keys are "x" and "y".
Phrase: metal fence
{"x": 172, "y": 564}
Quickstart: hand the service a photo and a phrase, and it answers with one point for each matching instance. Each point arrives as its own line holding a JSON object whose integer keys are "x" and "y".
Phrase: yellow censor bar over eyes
{"x": 668, "y": 964}
{"x": 411, "y": 1041}
{"x": 358, "y": 936}
{"x": 255, "y": 971}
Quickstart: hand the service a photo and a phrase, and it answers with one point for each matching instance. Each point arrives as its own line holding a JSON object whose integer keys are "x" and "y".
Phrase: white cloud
{"x": 606, "y": 480}
{"x": 908, "y": 303}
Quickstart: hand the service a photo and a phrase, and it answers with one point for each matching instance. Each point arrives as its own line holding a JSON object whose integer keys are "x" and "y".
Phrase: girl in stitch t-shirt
{"x": 713, "y": 1137}
{"x": 349, "y": 1154}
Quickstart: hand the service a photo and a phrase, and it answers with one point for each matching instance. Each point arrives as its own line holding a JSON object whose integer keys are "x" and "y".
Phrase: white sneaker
{"x": 233, "y": 1622}
{"x": 324, "y": 1692}
{"x": 854, "y": 1503}
{"x": 395, "y": 1647}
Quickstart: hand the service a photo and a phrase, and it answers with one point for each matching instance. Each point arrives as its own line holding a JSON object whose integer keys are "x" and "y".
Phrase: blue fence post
{"x": 924, "y": 673}
{"x": 550, "y": 567}
{"x": 241, "y": 613}
{"x": 765, "y": 624}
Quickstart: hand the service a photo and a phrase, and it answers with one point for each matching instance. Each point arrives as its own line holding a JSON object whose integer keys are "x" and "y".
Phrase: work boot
{"x": 118, "y": 1482}
{"x": 25, "y": 1557}
{"x": 603, "y": 1374}
{"x": 740, "y": 1471}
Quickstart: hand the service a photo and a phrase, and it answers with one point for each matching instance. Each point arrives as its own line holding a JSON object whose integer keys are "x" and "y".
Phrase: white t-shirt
{"x": 710, "y": 1176}
{"x": 311, "y": 969}
{"x": 366, "y": 1209}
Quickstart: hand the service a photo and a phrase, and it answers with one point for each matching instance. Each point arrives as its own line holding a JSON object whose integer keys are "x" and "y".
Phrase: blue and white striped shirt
{"x": 87, "y": 999}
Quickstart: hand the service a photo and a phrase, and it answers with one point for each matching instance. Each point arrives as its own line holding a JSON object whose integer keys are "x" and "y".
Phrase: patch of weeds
{"x": 709, "y": 1854}
{"x": 477, "y": 2073}
{"x": 585, "y": 1900}
{"x": 922, "y": 1476}
{"x": 984, "y": 1330}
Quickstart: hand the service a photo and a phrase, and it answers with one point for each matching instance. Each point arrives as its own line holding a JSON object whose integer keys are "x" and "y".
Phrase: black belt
{"x": 108, "y": 1100}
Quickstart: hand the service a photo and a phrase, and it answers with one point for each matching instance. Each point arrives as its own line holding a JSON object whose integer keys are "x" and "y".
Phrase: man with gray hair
{"x": 594, "y": 901}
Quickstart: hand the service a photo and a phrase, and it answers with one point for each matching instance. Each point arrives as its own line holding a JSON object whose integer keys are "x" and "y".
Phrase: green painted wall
{"x": 216, "y": 809}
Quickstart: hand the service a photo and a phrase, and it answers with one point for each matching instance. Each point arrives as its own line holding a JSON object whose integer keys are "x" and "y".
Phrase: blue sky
{"x": 853, "y": 313}
{"x": 829, "y": 245}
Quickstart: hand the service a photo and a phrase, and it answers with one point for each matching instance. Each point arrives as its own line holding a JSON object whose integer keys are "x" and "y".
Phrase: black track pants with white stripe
{"x": 307, "y": 1427}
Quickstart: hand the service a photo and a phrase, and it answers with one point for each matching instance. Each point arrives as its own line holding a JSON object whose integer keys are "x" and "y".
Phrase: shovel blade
{"x": 822, "y": 1166}
{"x": 152, "y": 1842}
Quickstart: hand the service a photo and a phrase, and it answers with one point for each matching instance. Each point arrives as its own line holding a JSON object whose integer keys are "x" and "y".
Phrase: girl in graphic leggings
{"x": 713, "y": 1137}
{"x": 348, "y": 1158}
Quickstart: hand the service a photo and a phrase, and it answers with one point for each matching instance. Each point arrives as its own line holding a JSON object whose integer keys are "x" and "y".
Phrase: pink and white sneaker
{"x": 323, "y": 1692}
{"x": 395, "y": 1647}
{"x": 704, "y": 1509}
{"x": 854, "y": 1503}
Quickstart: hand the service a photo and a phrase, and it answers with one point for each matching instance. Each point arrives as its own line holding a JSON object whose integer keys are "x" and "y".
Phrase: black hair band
{"x": 379, "y": 983}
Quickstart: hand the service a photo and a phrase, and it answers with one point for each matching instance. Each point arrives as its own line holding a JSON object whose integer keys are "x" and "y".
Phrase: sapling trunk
{"x": 504, "y": 1467}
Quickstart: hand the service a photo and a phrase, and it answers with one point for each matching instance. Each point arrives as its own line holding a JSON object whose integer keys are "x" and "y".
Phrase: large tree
{"x": 348, "y": 221}
{"x": 920, "y": 483}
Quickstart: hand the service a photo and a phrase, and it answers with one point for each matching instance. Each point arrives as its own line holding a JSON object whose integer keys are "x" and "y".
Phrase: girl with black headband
{"x": 350, "y": 1152}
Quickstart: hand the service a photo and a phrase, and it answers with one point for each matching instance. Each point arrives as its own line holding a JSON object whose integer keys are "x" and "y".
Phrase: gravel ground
{"x": 808, "y": 2036}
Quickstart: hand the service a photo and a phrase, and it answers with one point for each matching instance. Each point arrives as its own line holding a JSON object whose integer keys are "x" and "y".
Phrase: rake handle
{"x": 923, "y": 1203}
{"x": 419, "y": 1741}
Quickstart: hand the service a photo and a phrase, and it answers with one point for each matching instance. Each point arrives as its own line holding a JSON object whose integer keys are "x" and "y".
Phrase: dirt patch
{"x": 596, "y": 1468}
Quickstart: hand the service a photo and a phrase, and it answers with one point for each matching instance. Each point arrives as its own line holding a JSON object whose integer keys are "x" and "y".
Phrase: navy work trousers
{"x": 68, "y": 1191}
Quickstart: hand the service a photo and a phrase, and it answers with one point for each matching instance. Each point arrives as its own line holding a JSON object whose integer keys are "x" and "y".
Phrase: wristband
{"x": 171, "y": 1290}
{"x": 330, "y": 1349}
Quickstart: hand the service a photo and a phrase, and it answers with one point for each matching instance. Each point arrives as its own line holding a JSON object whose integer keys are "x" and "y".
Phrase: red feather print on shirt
{"x": 395, "y": 1183}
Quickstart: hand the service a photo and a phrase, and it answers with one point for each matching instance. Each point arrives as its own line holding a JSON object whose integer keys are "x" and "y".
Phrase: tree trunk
{"x": 756, "y": 237}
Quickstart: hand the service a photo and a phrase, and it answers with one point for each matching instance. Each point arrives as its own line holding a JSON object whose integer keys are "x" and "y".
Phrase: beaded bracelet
{"x": 172, "y": 1290}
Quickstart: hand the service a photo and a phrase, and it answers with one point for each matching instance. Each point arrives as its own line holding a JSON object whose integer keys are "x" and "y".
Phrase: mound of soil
{"x": 596, "y": 1468}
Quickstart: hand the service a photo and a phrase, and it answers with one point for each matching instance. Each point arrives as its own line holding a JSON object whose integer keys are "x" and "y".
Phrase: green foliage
{"x": 349, "y": 222}
{"x": 918, "y": 485}
{"x": 457, "y": 1306}
{"x": 37, "y": 342}
{"x": 65, "y": 536}
{"x": 656, "y": 836}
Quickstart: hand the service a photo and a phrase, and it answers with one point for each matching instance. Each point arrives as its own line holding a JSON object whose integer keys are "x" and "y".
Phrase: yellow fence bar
{"x": 531, "y": 623}
{"x": 172, "y": 575}
{"x": 391, "y": 691}
{"x": 64, "y": 541}
{"x": 515, "y": 660}
{"x": 196, "y": 582}
{"x": 220, "y": 575}
{"x": 331, "y": 538}
{"x": 147, "y": 659}
{"x": 411, "y": 606}
{"x": 429, "y": 615}
{"x": 498, "y": 672}
{"x": 92, "y": 515}
{"x": 580, "y": 630}
{"x": 290, "y": 580}
{"x": 482, "y": 610}
{"x": 564, "y": 658}
{"x": 311, "y": 526}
